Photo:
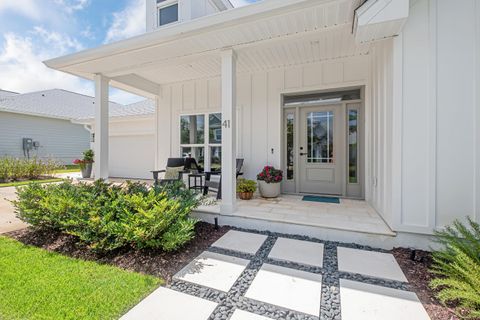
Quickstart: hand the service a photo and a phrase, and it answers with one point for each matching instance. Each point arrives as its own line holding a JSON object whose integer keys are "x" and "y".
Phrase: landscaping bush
{"x": 457, "y": 266}
{"x": 107, "y": 217}
{"x": 13, "y": 169}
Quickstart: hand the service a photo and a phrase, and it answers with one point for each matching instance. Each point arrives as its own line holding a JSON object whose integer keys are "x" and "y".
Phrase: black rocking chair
{"x": 188, "y": 165}
{"x": 216, "y": 186}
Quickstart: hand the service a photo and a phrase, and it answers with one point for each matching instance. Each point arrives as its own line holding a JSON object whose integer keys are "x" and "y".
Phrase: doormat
{"x": 321, "y": 199}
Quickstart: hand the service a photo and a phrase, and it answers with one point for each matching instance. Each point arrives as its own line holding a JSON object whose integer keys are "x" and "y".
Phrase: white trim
{"x": 432, "y": 124}
{"x": 101, "y": 126}
{"x": 477, "y": 116}
{"x": 229, "y": 131}
{"x": 397, "y": 140}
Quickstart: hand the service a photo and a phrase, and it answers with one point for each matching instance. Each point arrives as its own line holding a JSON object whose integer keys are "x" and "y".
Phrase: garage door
{"x": 132, "y": 156}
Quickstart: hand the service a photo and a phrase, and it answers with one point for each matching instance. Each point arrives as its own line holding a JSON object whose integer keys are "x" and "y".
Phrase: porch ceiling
{"x": 269, "y": 34}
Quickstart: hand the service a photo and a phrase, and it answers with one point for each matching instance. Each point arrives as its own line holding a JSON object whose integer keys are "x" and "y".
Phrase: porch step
{"x": 382, "y": 239}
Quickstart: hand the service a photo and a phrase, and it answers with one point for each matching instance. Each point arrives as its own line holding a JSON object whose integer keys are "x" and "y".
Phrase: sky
{"x": 32, "y": 31}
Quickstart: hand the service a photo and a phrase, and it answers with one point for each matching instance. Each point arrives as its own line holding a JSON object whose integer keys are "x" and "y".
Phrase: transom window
{"x": 167, "y": 12}
{"x": 201, "y": 138}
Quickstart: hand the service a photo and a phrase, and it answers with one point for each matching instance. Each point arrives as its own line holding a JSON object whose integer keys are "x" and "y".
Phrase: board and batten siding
{"x": 436, "y": 107}
{"x": 259, "y": 106}
{"x": 59, "y": 139}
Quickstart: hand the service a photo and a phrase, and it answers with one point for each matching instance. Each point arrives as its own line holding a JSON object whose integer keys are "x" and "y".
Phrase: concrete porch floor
{"x": 349, "y": 215}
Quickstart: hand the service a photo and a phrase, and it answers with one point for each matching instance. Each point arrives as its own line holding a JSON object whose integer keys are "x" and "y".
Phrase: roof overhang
{"x": 380, "y": 19}
{"x": 270, "y": 31}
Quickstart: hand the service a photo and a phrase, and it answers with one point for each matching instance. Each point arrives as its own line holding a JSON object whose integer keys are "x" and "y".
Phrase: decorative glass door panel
{"x": 320, "y": 137}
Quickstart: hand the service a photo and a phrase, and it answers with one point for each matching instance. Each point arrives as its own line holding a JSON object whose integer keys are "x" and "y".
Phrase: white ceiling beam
{"x": 137, "y": 85}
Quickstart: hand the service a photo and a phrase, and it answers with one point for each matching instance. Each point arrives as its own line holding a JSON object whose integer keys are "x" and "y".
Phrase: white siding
{"x": 439, "y": 114}
{"x": 59, "y": 139}
{"x": 379, "y": 120}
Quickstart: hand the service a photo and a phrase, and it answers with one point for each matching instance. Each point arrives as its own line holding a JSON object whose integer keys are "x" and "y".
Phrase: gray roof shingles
{"x": 62, "y": 104}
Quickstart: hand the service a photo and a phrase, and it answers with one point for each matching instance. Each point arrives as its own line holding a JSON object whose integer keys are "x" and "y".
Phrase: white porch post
{"x": 101, "y": 127}
{"x": 229, "y": 129}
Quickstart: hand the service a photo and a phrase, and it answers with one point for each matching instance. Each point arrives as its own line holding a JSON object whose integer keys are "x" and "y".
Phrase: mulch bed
{"x": 418, "y": 277}
{"x": 152, "y": 262}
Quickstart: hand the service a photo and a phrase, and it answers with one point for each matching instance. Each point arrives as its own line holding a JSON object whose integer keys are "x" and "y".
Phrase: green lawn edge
{"x": 38, "y": 284}
{"x": 23, "y": 183}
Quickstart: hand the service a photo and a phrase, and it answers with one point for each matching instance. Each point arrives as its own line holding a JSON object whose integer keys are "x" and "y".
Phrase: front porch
{"x": 349, "y": 215}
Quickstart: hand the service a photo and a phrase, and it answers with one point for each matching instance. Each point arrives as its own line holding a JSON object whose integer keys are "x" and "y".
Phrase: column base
{"x": 228, "y": 208}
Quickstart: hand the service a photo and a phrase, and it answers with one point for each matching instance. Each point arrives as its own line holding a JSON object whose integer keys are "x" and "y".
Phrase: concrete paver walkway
{"x": 250, "y": 276}
{"x": 8, "y": 221}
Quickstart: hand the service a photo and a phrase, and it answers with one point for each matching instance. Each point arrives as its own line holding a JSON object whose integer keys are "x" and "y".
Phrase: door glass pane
{"x": 198, "y": 153}
{"x": 353, "y": 146}
{"x": 215, "y": 158}
{"x": 320, "y": 137}
{"x": 215, "y": 129}
{"x": 192, "y": 129}
{"x": 290, "y": 145}
{"x": 168, "y": 15}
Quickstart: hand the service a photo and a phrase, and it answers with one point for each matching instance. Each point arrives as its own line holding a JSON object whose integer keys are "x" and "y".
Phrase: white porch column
{"x": 101, "y": 127}
{"x": 229, "y": 129}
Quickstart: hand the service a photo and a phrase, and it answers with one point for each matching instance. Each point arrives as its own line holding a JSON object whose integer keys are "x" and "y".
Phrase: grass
{"x": 69, "y": 168}
{"x": 22, "y": 183}
{"x": 38, "y": 284}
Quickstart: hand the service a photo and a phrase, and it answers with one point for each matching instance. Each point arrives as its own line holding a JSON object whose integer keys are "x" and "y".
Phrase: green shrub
{"x": 13, "y": 169}
{"x": 107, "y": 217}
{"x": 457, "y": 266}
{"x": 244, "y": 185}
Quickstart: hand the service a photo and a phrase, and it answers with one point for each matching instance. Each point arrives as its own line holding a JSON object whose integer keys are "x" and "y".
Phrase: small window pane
{"x": 168, "y": 15}
{"x": 215, "y": 158}
{"x": 192, "y": 129}
{"x": 290, "y": 145}
{"x": 320, "y": 137}
{"x": 215, "y": 130}
{"x": 198, "y": 153}
{"x": 353, "y": 146}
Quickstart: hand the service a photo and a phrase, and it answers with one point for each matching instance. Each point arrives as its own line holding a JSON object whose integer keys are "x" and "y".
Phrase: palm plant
{"x": 457, "y": 267}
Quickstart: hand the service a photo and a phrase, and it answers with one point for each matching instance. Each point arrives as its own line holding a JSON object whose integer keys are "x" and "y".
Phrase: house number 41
{"x": 226, "y": 124}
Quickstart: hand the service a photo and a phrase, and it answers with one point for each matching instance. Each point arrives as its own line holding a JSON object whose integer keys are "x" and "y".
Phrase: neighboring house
{"x": 375, "y": 100}
{"x": 6, "y": 93}
{"x": 39, "y": 124}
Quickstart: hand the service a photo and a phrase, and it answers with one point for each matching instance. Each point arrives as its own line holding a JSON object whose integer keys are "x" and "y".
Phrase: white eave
{"x": 266, "y": 34}
{"x": 380, "y": 19}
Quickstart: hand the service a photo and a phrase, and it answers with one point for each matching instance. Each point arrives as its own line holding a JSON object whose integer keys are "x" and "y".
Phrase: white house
{"x": 376, "y": 100}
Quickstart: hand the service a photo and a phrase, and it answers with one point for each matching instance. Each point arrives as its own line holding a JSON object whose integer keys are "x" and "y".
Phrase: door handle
{"x": 303, "y": 153}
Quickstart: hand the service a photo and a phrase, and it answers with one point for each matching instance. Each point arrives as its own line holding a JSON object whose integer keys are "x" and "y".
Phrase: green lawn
{"x": 37, "y": 284}
{"x": 69, "y": 168}
{"x": 22, "y": 183}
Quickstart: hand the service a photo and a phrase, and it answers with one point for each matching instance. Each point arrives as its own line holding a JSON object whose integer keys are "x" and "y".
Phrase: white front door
{"x": 321, "y": 150}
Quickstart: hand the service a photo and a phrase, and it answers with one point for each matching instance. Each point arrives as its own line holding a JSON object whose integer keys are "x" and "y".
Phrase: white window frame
{"x": 166, "y": 4}
{"x": 206, "y": 145}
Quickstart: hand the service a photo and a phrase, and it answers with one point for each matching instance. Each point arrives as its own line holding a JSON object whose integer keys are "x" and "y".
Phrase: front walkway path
{"x": 8, "y": 221}
{"x": 256, "y": 276}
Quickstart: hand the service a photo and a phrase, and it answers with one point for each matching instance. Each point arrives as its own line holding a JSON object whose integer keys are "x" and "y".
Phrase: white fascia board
{"x": 378, "y": 11}
{"x": 174, "y": 32}
{"x": 392, "y": 13}
{"x": 222, "y": 4}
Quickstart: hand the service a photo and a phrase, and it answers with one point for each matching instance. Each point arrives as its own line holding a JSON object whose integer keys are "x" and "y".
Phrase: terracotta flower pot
{"x": 269, "y": 190}
{"x": 245, "y": 195}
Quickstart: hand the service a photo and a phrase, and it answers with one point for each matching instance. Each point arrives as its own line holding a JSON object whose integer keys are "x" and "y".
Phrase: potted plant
{"x": 269, "y": 182}
{"x": 86, "y": 163}
{"x": 246, "y": 188}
